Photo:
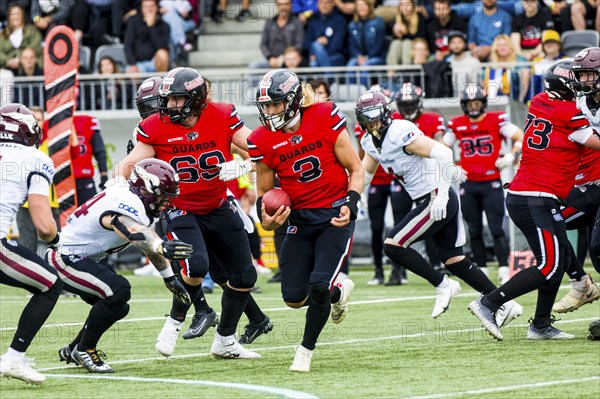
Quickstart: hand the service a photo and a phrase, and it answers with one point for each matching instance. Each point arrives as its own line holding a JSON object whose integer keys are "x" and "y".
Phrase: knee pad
{"x": 120, "y": 297}
{"x": 54, "y": 291}
{"x": 245, "y": 279}
{"x": 394, "y": 252}
{"x": 320, "y": 295}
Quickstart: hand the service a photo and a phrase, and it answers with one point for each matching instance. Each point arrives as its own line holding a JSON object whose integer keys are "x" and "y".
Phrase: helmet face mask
{"x": 184, "y": 83}
{"x": 374, "y": 113}
{"x": 18, "y": 125}
{"x": 559, "y": 80}
{"x": 156, "y": 183}
{"x": 409, "y": 101}
{"x": 147, "y": 97}
{"x": 586, "y": 68}
{"x": 472, "y": 95}
{"x": 279, "y": 87}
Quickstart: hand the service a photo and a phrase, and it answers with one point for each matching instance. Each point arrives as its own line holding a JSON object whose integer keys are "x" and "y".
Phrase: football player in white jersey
{"x": 586, "y": 67}
{"x": 119, "y": 216}
{"x": 426, "y": 170}
{"x": 26, "y": 175}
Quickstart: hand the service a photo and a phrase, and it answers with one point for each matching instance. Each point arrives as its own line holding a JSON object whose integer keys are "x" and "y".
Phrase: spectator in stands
{"x": 387, "y": 10}
{"x": 17, "y": 36}
{"x": 220, "y": 6}
{"x": 147, "y": 40}
{"x": 28, "y": 64}
{"x": 408, "y": 26}
{"x": 585, "y": 14}
{"x": 100, "y": 21}
{"x": 444, "y": 20}
{"x": 178, "y": 15}
{"x": 485, "y": 24}
{"x": 366, "y": 38}
{"x": 527, "y": 29}
{"x": 109, "y": 92}
{"x": 506, "y": 79}
{"x": 304, "y": 9}
{"x": 321, "y": 89}
{"x": 325, "y": 37}
{"x": 420, "y": 55}
{"x": 279, "y": 33}
{"x": 292, "y": 59}
{"x": 558, "y": 8}
{"x": 346, "y": 7}
{"x": 46, "y": 15}
{"x": 32, "y": 92}
{"x": 551, "y": 51}
{"x": 465, "y": 68}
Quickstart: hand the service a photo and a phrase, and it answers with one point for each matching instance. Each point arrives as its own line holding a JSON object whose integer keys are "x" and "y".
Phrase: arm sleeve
{"x": 443, "y": 155}
{"x": 99, "y": 151}
{"x": 582, "y": 135}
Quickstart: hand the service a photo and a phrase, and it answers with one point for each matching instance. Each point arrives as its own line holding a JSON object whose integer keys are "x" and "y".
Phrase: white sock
{"x": 582, "y": 284}
{"x": 14, "y": 355}
{"x": 444, "y": 283}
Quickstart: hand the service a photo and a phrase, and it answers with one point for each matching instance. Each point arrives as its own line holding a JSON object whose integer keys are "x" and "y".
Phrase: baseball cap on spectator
{"x": 550, "y": 36}
{"x": 457, "y": 33}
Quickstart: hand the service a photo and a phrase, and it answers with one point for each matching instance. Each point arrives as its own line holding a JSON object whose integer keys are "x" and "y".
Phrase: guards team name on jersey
{"x": 429, "y": 123}
{"x": 85, "y": 237}
{"x": 24, "y": 170}
{"x": 417, "y": 174}
{"x": 304, "y": 161}
{"x": 194, "y": 153}
{"x": 552, "y": 150}
{"x": 480, "y": 143}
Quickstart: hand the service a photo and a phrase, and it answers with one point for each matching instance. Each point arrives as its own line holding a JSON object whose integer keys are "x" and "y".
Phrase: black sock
{"x": 34, "y": 316}
{"x": 479, "y": 251}
{"x": 574, "y": 268}
{"x": 101, "y": 318}
{"x": 316, "y": 316}
{"x": 200, "y": 303}
{"x": 523, "y": 282}
{"x": 178, "y": 309}
{"x": 233, "y": 304}
{"x": 501, "y": 250}
{"x": 253, "y": 312}
{"x": 74, "y": 343}
{"x": 546, "y": 297}
{"x": 335, "y": 295}
{"x": 411, "y": 260}
{"x": 472, "y": 275}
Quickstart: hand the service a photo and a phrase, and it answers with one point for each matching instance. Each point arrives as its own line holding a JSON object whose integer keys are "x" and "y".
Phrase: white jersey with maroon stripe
{"x": 417, "y": 174}
{"x": 593, "y": 118}
{"x": 85, "y": 237}
{"x": 25, "y": 170}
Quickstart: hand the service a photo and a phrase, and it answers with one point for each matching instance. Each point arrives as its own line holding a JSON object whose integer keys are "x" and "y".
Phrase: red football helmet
{"x": 409, "y": 100}
{"x": 587, "y": 61}
{"x": 147, "y": 98}
{"x": 374, "y": 106}
{"x": 18, "y": 125}
{"x": 156, "y": 183}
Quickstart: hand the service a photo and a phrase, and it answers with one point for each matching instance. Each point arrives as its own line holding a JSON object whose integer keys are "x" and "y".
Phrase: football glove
{"x": 103, "y": 180}
{"x": 233, "y": 169}
{"x": 178, "y": 290}
{"x": 438, "y": 207}
{"x": 175, "y": 249}
{"x": 507, "y": 160}
{"x": 54, "y": 243}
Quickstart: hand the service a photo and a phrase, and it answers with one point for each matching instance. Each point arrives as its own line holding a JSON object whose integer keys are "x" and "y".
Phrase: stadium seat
{"x": 573, "y": 41}
{"x": 85, "y": 58}
{"x": 115, "y": 51}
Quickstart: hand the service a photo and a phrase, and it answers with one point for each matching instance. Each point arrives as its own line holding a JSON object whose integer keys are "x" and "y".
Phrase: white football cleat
{"x": 302, "y": 360}
{"x": 503, "y": 274}
{"x": 339, "y": 310}
{"x": 447, "y": 290}
{"x": 229, "y": 348}
{"x": 20, "y": 369}
{"x": 507, "y": 313}
{"x": 165, "y": 343}
{"x": 581, "y": 292}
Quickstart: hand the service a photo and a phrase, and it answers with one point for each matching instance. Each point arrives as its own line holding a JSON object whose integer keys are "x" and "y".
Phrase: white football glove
{"x": 438, "y": 207}
{"x": 233, "y": 169}
{"x": 115, "y": 181}
{"x": 507, "y": 160}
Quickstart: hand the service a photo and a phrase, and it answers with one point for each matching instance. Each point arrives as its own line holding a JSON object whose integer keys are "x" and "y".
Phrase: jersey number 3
{"x": 540, "y": 130}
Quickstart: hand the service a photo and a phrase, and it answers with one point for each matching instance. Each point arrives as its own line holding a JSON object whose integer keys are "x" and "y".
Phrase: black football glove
{"x": 178, "y": 290}
{"x": 54, "y": 243}
{"x": 103, "y": 180}
{"x": 130, "y": 146}
{"x": 175, "y": 249}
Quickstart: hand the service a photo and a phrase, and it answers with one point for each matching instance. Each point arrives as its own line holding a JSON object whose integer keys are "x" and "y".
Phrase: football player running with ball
{"x": 306, "y": 144}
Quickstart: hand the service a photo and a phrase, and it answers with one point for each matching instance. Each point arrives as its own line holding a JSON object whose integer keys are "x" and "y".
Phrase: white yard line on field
{"x": 507, "y": 388}
{"x": 286, "y": 393}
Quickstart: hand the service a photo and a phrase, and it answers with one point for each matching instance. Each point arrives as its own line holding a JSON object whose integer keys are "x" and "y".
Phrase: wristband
{"x": 156, "y": 244}
{"x": 166, "y": 273}
{"x": 352, "y": 198}
{"x": 55, "y": 240}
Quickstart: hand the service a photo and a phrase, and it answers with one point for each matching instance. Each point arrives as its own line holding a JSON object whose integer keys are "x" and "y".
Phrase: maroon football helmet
{"x": 374, "y": 106}
{"x": 147, "y": 98}
{"x": 18, "y": 125}
{"x": 186, "y": 83}
{"x": 587, "y": 60}
{"x": 156, "y": 183}
{"x": 279, "y": 86}
{"x": 409, "y": 100}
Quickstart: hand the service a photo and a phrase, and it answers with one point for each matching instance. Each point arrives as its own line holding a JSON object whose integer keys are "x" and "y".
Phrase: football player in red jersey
{"x": 480, "y": 135}
{"x": 195, "y": 136}
{"x": 91, "y": 145}
{"x": 306, "y": 144}
{"x": 555, "y": 135}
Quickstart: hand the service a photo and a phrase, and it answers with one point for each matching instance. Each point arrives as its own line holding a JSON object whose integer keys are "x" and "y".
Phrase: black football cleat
{"x": 201, "y": 322}
{"x": 253, "y": 331}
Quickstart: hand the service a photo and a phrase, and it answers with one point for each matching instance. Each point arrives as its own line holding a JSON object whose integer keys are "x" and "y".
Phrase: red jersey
{"x": 194, "y": 154}
{"x": 589, "y": 168}
{"x": 550, "y": 153}
{"x": 86, "y": 127}
{"x": 480, "y": 143}
{"x": 381, "y": 177}
{"x": 304, "y": 160}
{"x": 430, "y": 123}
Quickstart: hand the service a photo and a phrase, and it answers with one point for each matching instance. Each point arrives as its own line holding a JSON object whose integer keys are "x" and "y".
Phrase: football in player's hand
{"x": 274, "y": 198}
